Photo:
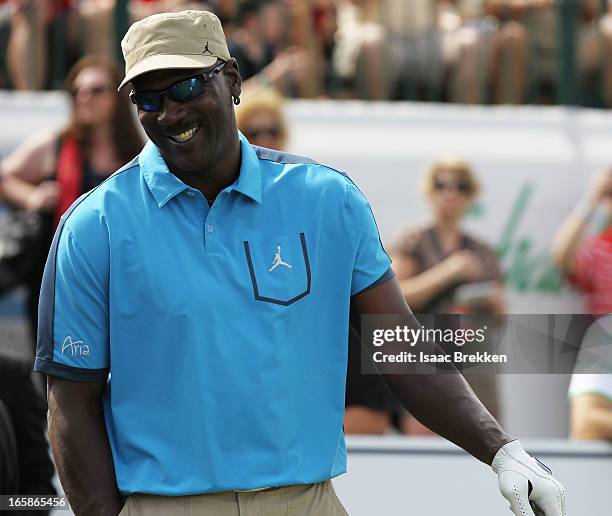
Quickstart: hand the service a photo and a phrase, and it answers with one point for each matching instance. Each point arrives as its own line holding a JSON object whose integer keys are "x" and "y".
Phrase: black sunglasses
{"x": 461, "y": 187}
{"x": 181, "y": 91}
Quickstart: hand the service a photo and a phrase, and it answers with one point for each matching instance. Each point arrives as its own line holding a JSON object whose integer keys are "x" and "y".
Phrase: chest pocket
{"x": 279, "y": 268}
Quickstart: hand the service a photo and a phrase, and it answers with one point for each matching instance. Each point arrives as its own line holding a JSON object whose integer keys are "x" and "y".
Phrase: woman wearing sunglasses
{"x": 49, "y": 171}
{"x": 444, "y": 270}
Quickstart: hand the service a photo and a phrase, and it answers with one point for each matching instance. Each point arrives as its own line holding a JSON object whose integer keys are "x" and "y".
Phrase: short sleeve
{"x": 372, "y": 265}
{"x": 73, "y": 336}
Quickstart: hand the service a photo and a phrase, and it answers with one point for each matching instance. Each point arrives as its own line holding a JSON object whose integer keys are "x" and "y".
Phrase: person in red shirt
{"x": 586, "y": 260}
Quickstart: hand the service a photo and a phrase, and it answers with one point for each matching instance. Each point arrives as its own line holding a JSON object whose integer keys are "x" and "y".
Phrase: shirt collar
{"x": 249, "y": 178}
{"x": 164, "y": 185}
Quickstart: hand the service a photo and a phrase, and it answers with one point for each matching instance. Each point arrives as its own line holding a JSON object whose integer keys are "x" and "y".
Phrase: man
{"x": 186, "y": 375}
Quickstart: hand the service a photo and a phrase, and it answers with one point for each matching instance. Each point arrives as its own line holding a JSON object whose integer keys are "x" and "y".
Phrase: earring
{"x": 236, "y": 100}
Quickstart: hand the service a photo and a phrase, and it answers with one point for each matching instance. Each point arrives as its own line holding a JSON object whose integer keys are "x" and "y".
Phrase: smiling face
{"x": 192, "y": 136}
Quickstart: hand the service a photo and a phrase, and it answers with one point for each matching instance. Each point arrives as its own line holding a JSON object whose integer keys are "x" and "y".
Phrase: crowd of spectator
{"x": 468, "y": 51}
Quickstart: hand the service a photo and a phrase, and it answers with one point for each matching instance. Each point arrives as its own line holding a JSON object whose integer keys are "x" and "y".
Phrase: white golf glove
{"x": 523, "y": 479}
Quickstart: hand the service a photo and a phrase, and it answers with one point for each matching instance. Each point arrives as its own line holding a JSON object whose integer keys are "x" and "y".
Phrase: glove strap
{"x": 513, "y": 449}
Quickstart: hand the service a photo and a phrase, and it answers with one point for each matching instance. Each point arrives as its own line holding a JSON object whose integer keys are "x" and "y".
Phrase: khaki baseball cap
{"x": 187, "y": 39}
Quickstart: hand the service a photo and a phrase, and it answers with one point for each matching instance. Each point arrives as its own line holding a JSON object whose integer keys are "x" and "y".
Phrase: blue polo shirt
{"x": 221, "y": 331}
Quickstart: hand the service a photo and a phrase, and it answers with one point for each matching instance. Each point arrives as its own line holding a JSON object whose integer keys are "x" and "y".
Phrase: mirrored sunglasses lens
{"x": 151, "y": 106}
{"x": 147, "y": 102}
{"x": 186, "y": 90}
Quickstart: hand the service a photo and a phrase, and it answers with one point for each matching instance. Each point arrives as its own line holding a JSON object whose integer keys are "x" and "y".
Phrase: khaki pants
{"x": 299, "y": 500}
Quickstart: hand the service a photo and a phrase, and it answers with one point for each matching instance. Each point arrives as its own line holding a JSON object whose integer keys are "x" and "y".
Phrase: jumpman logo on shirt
{"x": 206, "y": 49}
{"x": 278, "y": 260}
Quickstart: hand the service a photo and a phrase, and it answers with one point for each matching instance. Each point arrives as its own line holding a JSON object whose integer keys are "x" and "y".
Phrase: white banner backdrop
{"x": 533, "y": 163}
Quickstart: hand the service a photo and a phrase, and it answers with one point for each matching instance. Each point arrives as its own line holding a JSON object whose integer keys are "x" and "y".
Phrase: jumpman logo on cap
{"x": 206, "y": 49}
{"x": 278, "y": 260}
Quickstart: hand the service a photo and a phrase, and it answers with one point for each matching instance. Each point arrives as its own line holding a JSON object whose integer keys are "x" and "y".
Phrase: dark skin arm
{"x": 443, "y": 402}
{"x": 80, "y": 447}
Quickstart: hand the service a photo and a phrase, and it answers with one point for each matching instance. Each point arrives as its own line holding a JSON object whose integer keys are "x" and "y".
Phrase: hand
{"x": 523, "y": 479}
{"x": 43, "y": 197}
{"x": 464, "y": 266}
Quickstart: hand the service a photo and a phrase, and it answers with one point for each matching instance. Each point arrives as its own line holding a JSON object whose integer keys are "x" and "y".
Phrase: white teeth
{"x": 186, "y": 135}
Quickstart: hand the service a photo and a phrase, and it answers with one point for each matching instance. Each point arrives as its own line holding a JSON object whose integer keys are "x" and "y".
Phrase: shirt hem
{"x": 76, "y": 374}
{"x": 387, "y": 276}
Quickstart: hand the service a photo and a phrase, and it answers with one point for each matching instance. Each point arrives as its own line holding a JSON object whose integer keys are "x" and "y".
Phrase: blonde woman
{"x": 433, "y": 262}
{"x": 260, "y": 118}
